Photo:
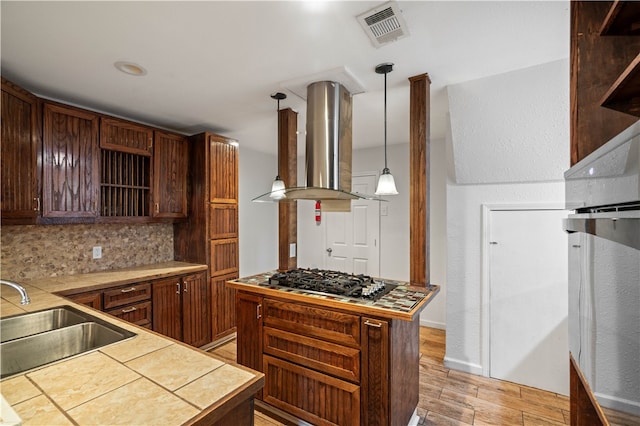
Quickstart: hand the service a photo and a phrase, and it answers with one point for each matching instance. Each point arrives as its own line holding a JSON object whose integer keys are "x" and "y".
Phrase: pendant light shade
{"x": 386, "y": 183}
{"x": 278, "y": 187}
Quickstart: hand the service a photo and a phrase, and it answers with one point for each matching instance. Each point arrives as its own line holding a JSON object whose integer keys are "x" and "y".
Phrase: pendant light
{"x": 277, "y": 188}
{"x": 386, "y": 183}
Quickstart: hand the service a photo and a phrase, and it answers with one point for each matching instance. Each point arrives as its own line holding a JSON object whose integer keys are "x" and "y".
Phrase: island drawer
{"x": 313, "y": 321}
{"x": 139, "y": 313}
{"x": 126, "y": 295}
{"x": 337, "y": 360}
{"x": 325, "y": 399}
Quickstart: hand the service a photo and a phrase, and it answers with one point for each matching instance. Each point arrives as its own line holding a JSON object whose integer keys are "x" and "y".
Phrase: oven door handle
{"x": 621, "y": 230}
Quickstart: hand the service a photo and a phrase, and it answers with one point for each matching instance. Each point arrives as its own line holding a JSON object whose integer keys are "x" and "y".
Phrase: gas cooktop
{"x": 332, "y": 282}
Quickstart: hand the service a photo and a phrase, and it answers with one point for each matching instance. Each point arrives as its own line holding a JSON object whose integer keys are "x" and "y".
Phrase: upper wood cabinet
{"x": 70, "y": 161}
{"x": 604, "y": 73}
{"x": 170, "y": 165}
{"x": 18, "y": 156}
{"x": 223, "y": 178}
{"x": 62, "y": 164}
{"x": 124, "y": 136}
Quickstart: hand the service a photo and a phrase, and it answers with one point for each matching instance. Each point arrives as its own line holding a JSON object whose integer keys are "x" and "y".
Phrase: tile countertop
{"x": 404, "y": 302}
{"x": 149, "y": 379}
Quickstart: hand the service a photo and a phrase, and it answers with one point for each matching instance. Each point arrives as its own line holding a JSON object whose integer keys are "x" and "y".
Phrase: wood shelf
{"x": 623, "y": 18}
{"x": 624, "y": 94}
{"x": 124, "y": 184}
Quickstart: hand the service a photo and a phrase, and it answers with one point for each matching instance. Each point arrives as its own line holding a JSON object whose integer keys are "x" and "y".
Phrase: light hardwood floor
{"x": 450, "y": 397}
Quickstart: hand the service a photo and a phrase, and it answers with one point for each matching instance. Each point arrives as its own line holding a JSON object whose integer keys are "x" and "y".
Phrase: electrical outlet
{"x": 292, "y": 250}
{"x": 97, "y": 252}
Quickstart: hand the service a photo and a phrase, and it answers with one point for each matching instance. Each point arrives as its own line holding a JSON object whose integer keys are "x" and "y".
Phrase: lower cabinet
{"x": 130, "y": 303}
{"x": 354, "y": 369}
{"x": 223, "y": 317}
{"x": 181, "y": 308}
{"x": 324, "y": 401}
{"x": 178, "y": 307}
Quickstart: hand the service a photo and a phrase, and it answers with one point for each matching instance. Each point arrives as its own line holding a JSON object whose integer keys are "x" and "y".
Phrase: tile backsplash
{"x": 29, "y": 252}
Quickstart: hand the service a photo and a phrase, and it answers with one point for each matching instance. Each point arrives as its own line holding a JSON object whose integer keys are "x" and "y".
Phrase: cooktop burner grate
{"x": 332, "y": 282}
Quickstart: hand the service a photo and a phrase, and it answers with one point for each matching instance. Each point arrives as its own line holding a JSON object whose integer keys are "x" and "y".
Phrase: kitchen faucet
{"x": 23, "y": 292}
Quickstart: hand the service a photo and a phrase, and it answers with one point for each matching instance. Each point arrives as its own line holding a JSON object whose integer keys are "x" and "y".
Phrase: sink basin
{"x": 35, "y": 350}
{"x": 37, "y": 322}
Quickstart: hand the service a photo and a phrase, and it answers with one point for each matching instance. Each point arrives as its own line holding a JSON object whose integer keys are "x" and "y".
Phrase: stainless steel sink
{"x": 35, "y": 350}
{"x": 24, "y": 325}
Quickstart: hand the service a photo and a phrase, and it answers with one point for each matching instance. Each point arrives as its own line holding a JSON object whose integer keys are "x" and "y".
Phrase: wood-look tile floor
{"x": 450, "y": 397}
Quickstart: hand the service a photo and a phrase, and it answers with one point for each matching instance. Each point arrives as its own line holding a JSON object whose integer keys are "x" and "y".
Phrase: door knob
{"x": 329, "y": 250}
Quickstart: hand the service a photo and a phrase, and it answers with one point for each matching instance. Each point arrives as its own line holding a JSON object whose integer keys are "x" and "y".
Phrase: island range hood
{"x": 328, "y": 148}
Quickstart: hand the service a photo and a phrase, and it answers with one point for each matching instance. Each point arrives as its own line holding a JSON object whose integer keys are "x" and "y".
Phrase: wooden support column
{"x": 288, "y": 170}
{"x": 419, "y": 179}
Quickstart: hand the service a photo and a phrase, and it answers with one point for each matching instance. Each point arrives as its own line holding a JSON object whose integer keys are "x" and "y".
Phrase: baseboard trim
{"x": 619, "y": 404}
{"x": 464, "y": 366}
{"x": 433, "y": 324}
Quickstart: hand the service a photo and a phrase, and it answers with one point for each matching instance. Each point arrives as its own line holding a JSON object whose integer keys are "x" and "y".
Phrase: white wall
{"x": 258, "y": 221}
{"x": 394, "y": 228}
{"x": 505, "y": 151}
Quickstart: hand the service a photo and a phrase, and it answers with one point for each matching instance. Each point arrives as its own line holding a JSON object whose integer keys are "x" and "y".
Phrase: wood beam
{"x": 288, "y": 171}
{"x": 419, "y": 140}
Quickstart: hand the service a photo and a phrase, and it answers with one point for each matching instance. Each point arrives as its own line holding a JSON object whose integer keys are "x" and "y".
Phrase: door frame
{"x": 323, "y": 223}
{"x": 485, "y": 279}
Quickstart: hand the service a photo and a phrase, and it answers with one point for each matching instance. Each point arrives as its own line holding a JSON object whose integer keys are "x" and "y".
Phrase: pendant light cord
{"x": 278, "y": 140}
{"x": 385, "y": 121}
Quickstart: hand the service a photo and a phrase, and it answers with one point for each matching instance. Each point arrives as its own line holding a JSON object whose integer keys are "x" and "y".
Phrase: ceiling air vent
{"x": 384, "y": 24}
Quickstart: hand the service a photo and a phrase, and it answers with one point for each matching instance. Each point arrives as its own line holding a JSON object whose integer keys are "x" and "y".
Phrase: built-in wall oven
{"x": 604, "y": 271}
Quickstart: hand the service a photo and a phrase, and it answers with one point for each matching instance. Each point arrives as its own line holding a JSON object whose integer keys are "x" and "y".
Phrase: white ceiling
{"x": 213, "y": 65}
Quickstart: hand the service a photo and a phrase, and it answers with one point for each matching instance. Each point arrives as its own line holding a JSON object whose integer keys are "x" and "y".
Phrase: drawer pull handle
{"x": 178, "y": 288}
{"x": 127, "y": 290}
{"x": 258, "y": 311}
{"x": 373, "y": 324}
{"x": 131, "y": 309}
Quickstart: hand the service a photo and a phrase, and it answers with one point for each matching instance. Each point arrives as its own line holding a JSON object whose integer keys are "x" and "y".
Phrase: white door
{"x": 529, "y": 298}
{"x": 352, "y": 237}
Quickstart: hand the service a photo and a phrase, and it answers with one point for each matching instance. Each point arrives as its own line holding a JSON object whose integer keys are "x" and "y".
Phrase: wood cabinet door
{"x": 69, "y": 162}
{"x": 224, "y": 257}
{"x": 223, "y": 221}
{"x": 91, "y": 299}
{"x": 318, "y": 398}
{"x": 196, "y": 310}
{"x": 124, "y": 136}
{"x": 249, "y": 330}
{"x": 223, "y": 300}
{"x": 375, "y": 372}
{"x": 223, "y": 176}
{"x": 170, "y": 162}
{"x": 167, "y": 307}
{"x": 18, "y": 155}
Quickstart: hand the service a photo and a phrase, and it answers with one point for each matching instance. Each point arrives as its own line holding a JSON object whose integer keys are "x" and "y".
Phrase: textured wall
{"x": 47, "y": 251}
{"x": 512, "y": 127}
{"x": 509, "y": 144}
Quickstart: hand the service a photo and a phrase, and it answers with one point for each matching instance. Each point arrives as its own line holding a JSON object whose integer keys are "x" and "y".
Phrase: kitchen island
{"x": 331, "y": 359}
{"x": 148, "y": 379}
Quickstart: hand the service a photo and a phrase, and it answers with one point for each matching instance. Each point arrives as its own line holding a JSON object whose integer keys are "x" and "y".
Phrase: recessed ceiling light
{"x": 130, "y": 68}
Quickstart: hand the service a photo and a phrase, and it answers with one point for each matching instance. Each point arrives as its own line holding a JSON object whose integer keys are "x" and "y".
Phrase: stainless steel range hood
{"x": 328, "y": 148}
